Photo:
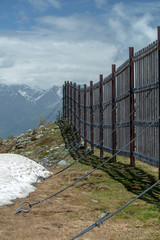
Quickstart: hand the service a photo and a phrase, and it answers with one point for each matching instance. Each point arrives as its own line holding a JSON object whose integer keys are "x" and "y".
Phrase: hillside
{"x": 106, "y": 190}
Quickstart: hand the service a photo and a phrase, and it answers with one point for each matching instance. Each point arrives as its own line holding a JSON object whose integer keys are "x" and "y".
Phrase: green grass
{"x": 115, "y": 184}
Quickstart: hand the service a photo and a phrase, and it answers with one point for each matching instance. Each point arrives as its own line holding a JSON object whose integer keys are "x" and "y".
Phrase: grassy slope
{"x": 112, "y": 186}
{"x": 115, "y": 184}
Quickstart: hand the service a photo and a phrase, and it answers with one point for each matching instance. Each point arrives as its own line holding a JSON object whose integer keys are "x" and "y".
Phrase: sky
{"x": 46, "y": 42}
{"x": 17, "y": 173}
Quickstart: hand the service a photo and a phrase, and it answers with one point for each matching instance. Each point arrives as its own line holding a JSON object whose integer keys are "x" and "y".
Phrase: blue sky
{"x": 46, "y": 42}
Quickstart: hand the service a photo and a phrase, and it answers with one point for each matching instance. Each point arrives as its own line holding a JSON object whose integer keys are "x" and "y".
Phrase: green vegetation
{"x": 11, "y": 137}
{"x": 115, "y": 184}
{"x": 43, "y": 122}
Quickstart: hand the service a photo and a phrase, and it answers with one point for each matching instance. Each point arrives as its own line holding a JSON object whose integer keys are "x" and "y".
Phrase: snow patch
{"x": 17, "y": 173}
{"x": 59, "y": 92}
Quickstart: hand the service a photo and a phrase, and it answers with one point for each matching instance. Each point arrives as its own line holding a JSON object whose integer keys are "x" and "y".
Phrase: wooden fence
{"x": 121, "y": 109}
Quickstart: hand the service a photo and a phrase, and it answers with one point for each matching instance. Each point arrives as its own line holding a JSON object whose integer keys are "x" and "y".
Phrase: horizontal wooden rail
{"x": 110, "y": 113}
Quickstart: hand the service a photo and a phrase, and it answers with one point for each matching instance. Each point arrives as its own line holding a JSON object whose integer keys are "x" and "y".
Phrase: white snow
{"x": 59, "y": 92}
{"x": 17, "y": 173}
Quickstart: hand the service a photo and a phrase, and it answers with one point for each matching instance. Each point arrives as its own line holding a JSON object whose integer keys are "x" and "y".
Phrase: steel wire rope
{"x": 75, "y": 132}
{"x": 50, "y": 145}
{"x": 54, "y": 109}
{"x": 81, "y": 178}
{"x": 64, "y": 148}
{"x": 40, "y": 177}
{"x": 41, "y": 180}
{"x": 120, "y": 124}
{"x": 54, "y": 174}
{"x": 73, "y": 140}
{"x": 108, "y": 215}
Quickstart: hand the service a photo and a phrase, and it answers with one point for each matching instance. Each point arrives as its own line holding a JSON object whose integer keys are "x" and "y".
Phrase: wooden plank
{"x": 91, "y": 116}
{"x": 113, "y": 112}
{"x": 85, "y": 115}
{"x": 101, "y": 115}
{"x": 158, "y": 33}
{"x": 132, "y": 136}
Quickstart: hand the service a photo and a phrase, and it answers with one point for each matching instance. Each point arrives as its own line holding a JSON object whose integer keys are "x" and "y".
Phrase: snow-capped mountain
{"x": 30, "y": 94}
{"x": 21, "y": 107}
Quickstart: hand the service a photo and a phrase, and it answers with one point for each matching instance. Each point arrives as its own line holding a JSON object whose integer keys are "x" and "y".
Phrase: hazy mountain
{"x": 21, "y": 107}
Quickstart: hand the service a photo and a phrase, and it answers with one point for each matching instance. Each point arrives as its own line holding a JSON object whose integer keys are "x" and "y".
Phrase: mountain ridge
{"x": 21, "y": 107}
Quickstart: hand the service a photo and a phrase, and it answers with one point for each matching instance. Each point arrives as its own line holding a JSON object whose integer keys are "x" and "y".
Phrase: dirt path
{"x": 64, "y": 216}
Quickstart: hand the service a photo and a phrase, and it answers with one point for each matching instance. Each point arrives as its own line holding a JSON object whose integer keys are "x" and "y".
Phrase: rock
{"x": 13, "y": 148}
{"x": 51, "y": 149}
{"x": 21, "y": 140}
{"x": 101, "y": 215}
{"x": 42, "y": 126}
{"x": 63, "y": 163}
{"x": 28, "y": 153}
{"x": 81, "y": 218}
{"x": 93, "y": 200}
{"x": 55, "y": 148}
{"x": 21, "y": 135}
{"x": 29, "y": 131}
{"x": 39, "y": 136}
{"x": 19, "y": 146}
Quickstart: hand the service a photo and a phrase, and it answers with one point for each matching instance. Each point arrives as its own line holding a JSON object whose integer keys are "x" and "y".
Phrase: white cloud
{"x": 6, "y": 62}
{"x": 49, "y": 62}
{"x": 76, "y": 27}
{"x": 100, "y": 3}
{"x": 73, "y": 48}
{"x": 43, "y": 5}
{"x": 131, "y": 28}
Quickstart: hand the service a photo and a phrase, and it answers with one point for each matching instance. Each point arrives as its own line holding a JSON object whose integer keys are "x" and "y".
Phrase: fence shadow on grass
{"x": 134, "y": 179}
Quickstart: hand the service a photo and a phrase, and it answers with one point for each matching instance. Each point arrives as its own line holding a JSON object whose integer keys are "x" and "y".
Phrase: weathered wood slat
{"x": 145, "y": 66}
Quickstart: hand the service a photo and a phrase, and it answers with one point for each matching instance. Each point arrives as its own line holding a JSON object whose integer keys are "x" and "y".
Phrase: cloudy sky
{"x": 46, "y": 42}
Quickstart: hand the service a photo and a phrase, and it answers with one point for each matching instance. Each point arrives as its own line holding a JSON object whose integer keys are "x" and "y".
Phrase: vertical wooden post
{"x": 101, "y": 115}
{"x": 68, "y": 99}
{"x": 65, "y": 102}
{"x": 79, "y": 112}
{"x": 131, "y": 72}
{"x": 113, "y": 112}
{"x": 63, "y": 99}
{"x": 91, "y": 117}
{"x": 71, "y": 101}
{"x": 85, "y": 115}
{"x": 74, "y": 106}
{"x": 158, "y": 33}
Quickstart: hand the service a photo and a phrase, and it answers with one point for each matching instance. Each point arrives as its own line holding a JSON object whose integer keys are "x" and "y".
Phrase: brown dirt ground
{"x": 64, "y": 216}
{"x": 67, "y": 214}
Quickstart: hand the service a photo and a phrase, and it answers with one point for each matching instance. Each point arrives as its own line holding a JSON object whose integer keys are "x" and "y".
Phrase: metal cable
{"x": 84, "y": 176}
{"x": 41, "y": 180}
{"x": 108, "y": 215}
{"x": 117, "y": 126}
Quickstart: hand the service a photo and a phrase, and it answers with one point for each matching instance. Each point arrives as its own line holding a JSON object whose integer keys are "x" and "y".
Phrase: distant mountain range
{"x": 21, "y": 107}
